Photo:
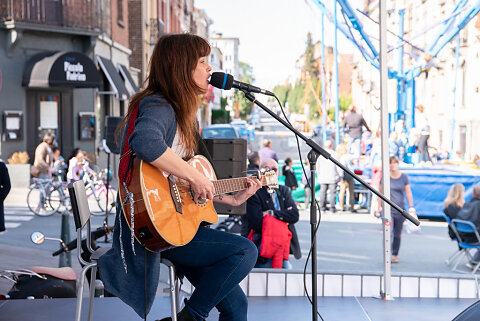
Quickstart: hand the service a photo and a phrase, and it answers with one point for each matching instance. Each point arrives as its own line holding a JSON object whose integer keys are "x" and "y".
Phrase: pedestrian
{"x": 161, "y": 129}
{"x": 43, "y": 162}
{"x": 353, "y": 125}
{"x": 423, "y": 127}
{"x": 278, "y": 239}
{"x": 59, "y": 166}
{"x": 253, "y": 161}
{"x": 267, "y": 152}
{"x": 328, "y": 176}
{"x": 346, "y": 182}
{"x": 399, "y": 189}
{"x": 307, "y": 185}
{"x": 287, "y": 171}
{"x": 376, "y": 166}
{"x": 453, "y": 204}
{"x": 4, "y": 190}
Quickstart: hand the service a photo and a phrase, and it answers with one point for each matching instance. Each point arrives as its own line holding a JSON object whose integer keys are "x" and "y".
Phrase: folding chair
{"x": 457, "y": 253}
{"x": 460, "y": 228}
{"x": 81, "y": 216}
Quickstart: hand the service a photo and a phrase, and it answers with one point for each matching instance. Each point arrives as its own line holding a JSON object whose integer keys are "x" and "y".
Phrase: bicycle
{"x": 46, "y": 196}
{"x": 97, "y": 190}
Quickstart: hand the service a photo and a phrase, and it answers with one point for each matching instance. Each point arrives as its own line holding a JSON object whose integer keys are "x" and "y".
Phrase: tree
{"x": 310, "y": 64}
{"x": 246, "y": 75}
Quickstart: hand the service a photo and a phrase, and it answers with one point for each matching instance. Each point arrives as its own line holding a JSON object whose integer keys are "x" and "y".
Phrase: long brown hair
{"x": 173, "y": 61}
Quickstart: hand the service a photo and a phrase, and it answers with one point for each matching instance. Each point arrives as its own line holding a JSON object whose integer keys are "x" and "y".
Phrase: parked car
{"x": 243, "y": 129}
{"x": 220, "y": 131}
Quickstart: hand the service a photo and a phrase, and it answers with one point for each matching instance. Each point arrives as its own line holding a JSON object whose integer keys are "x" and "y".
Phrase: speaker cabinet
{"x": 229, "y": 158}
{"x": 111, "y": 124}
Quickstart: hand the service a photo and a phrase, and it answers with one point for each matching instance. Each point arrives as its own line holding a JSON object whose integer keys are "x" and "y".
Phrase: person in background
{"x": 287, "y": 171}
{"x": 328, "y": 176}
{"x": 306, "y": 185}
{"x": 376, "y": 165}
{"x": 421, "y": 123}
{"x": 471, "y": 212}
{"x": 476, "y": 160}
{"x": 44, "y": 157}
{"x": 253, "y": 161}
{"x": 59, "y": 166}
{"x": 399, "y": 189}
{"x": 281, "y": 206}
{"x": 353, "y": 125}
{"x": 453, "y": 204}
{"x": 267, "y": 152}
{"x": 4, "y": 190}
{"x": 347, "y": 180}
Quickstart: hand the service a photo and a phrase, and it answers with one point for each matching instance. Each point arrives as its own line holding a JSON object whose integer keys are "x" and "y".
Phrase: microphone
{"x": 225, "y": 81}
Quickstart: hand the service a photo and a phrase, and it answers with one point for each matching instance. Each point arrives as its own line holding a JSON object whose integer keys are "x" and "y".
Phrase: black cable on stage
{"x": 316, "y": 203}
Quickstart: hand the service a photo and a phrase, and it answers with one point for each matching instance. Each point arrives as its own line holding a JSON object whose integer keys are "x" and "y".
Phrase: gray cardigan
{"x": 123, "y": 275}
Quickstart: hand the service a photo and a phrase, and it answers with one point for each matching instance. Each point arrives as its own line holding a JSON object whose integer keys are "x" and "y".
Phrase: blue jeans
{"x": 354, "y": 146}
{"x": 215, "y": 262}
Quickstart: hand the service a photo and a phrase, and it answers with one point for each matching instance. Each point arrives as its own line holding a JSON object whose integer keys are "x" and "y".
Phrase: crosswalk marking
{"x": 11, "y": 225}
{"x": 18, "y": 218}
{"x": 15, "y": 216}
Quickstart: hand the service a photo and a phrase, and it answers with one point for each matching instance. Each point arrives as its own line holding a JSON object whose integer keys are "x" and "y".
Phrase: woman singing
{"x": 165, "y": 133}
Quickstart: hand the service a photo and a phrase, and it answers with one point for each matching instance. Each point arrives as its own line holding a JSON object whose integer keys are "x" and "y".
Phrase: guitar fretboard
{"x": 225, "y": 186}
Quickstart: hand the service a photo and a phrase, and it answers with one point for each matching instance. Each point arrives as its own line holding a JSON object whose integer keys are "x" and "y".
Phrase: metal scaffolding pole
{"x": 387, "y": 219}
{"x": 324, "y": 129}
{"x": 337, "y": 84}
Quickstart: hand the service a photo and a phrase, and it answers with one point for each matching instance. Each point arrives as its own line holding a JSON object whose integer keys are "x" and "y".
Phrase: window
{"x": 120, "y": 13}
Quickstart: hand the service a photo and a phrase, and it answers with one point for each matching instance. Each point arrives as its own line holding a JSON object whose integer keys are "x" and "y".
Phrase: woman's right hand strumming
{"x": 202, "y": 187}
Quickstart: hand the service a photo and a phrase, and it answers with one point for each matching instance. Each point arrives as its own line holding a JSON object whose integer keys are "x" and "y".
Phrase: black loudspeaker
{"x": 472, "y": 313}
{"x": 111, "y": 124}
{"x": 229, "y": 157}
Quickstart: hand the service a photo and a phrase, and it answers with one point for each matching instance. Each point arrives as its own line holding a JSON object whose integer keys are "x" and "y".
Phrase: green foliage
{"x": 310, "y": 64}
{"x": 223, "y": 102}
{"x": 246, "y": 75}
{"x": 344, "y": 100}
{"x": 282, "y": 93}
{"x": 220, "y": 116}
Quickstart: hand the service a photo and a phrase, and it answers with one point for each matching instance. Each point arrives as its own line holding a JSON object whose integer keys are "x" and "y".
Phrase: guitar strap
{"x": 126, "y": 160}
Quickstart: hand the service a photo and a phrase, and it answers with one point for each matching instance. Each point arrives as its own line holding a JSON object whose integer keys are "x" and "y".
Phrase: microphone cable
{"x": 312, "y": 189}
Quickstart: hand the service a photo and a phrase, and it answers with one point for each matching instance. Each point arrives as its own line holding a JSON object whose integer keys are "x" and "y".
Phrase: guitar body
{"x": 165, "y": 214}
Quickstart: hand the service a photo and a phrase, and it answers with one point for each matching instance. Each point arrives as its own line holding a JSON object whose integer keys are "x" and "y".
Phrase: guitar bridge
{"x": 175, "y": 194}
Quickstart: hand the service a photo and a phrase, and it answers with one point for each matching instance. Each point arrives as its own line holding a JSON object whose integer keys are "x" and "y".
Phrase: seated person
{"x": 453, "y": 204}
{"x": 281, "y": 206}
{"x": 471, "y": 212}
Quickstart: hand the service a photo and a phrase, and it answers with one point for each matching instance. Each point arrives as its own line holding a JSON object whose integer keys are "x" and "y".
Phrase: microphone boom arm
{"x": 327, "y": 155}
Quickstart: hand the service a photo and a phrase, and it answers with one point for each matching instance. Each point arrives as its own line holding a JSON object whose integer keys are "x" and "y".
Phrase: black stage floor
{"x": 260, "y": 309}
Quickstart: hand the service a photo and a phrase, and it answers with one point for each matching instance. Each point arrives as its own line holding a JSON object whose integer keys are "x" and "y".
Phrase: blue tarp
{"x": 430, "y": 186}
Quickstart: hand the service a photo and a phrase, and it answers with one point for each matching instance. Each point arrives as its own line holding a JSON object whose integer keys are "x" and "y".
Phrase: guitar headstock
{"x": 269, "y": 179}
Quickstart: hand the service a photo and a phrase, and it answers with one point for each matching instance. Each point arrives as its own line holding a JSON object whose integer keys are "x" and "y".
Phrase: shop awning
{"x": 127, "y": 77}
{"x": 113, "y": 77}
{"x": 61, "y": 69}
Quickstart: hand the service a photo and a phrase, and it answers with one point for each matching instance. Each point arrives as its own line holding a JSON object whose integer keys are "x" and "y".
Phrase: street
{"x": 347, "y": 242}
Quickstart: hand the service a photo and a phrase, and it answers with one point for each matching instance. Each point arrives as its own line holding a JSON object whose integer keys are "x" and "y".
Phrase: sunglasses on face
{"x": 271, "y": 168}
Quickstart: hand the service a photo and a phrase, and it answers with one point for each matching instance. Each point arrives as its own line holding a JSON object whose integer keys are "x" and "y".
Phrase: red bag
{"x": 276, "y": 239}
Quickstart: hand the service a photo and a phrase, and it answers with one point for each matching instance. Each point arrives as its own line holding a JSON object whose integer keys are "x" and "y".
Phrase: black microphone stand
{"x": 105, "y": 220}
{"x": 312, "y": 156}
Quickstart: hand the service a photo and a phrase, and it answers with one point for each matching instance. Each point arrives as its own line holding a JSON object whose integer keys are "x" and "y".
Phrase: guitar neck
{"x": 225, "y": 186}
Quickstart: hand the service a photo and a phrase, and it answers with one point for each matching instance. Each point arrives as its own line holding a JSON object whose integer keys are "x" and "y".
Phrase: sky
{"x": 272, "y": 33}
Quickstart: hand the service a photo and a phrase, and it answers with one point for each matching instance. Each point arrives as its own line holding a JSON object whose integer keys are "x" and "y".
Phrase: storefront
{"x": 58, "y": 99}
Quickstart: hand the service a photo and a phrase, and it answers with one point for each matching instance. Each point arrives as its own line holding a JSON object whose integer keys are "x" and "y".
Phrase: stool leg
{"x": 173, "y": 292}
{"x": 93, "y": 277}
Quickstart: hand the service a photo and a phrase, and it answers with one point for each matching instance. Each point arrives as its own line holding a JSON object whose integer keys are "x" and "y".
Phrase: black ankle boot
{"x": 183, "y": 315}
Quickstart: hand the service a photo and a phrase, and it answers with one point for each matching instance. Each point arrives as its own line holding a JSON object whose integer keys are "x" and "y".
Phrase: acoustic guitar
{"x": 165, "y": 214}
